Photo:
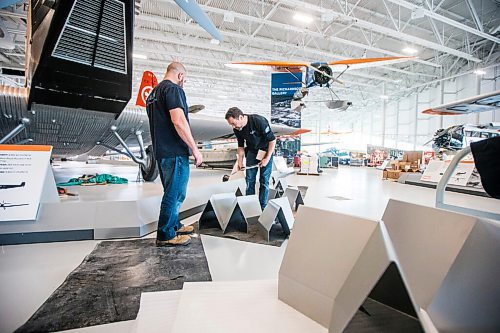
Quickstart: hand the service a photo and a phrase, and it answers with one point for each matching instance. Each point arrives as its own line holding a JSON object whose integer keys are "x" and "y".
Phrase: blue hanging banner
{"x": 7, "y": 3}
{"x": 283, "y": 86}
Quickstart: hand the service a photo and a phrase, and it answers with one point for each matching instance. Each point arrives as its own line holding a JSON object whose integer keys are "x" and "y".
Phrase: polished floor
{"x": 30, "y": 273}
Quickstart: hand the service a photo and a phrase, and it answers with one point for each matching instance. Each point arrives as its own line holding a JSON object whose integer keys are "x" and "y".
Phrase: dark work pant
{"x": 174, "y": 175}
{"x": 265, "y": 175}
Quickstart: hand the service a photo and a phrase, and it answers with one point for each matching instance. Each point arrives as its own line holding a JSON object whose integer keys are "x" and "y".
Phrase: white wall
{"x": 405, "y": 127}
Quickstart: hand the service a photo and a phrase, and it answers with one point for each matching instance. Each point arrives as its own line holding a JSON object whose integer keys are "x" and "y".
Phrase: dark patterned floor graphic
{"x": 107, "y": 285}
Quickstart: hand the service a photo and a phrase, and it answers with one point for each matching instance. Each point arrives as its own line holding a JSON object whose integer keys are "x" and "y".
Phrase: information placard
{"x": 22, "y": 175}
{"x": 436, "y": 168}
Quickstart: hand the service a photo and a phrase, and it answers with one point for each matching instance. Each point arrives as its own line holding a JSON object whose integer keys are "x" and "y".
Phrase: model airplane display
{"x": 4, "y": 187}
{"x": 318, "y": 74}
{"x": 6, "y": 205}
{"x": 480, "y": 103}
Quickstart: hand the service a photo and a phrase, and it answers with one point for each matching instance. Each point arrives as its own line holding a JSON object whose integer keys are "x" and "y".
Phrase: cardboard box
{"x": 393, "y": 174}
{"x": 384, "y": 174}
{"x": 412, "y": 156}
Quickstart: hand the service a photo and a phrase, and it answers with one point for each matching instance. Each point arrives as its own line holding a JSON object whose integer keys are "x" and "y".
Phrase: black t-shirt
{"x": 165, "y": 97}
{"x": 256, "y": 134}
{"x": 487, "y": 158}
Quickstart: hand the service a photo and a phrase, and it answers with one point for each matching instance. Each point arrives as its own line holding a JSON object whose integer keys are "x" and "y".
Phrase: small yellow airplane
{"x": 318, "y": 73}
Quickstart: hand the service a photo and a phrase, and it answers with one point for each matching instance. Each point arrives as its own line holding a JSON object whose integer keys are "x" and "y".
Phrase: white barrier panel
{"x": 468, "y": 300}
{"x": 250, "y": 208}
{"x": 369, "y": 267}
{"x": 280, "y": 168}
{"x": 294, "y": 197}
{"x": 276, "y": 209}
{"x": 426, "y": 241}
{"x": 320, "y": 254}
{"x": 280, "y": 187}
{"x": 273, "y": 194}
{"x": 226, "y": 210}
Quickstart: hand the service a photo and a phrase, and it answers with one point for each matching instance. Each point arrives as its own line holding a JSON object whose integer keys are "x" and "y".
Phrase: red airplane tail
{"x": 148, "y": 82}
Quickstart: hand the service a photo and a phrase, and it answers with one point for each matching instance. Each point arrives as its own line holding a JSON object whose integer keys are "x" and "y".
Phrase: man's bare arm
{"x": 182, "y": 127}
{"x": 270, "y": 151}
{"x": 241, "y": 154}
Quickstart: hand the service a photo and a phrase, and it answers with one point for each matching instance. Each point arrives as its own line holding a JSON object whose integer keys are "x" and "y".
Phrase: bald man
{"x": 173, "y": 143}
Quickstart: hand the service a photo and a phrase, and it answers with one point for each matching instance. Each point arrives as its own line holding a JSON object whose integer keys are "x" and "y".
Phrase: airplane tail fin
{"x": 148, "y": 82}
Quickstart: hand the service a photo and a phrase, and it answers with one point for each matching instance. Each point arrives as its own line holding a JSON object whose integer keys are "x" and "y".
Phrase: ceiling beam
{"x": 384, "y": 30}
{"x": 316, "y": 34}
{"x": 446, "y": 20}
{"x": 154, "y": 35}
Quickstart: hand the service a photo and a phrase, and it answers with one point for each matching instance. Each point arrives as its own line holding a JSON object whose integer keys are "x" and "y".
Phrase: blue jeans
{"x": 265, "y": 175}
{"x": 174, "y": 175}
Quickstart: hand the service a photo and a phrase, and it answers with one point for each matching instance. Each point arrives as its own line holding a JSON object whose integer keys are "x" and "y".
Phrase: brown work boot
{"x": 185, "y": 230}
{"x": 176, "y": 241}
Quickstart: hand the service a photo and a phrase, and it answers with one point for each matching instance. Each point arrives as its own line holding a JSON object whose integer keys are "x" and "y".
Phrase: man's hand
{"x": 240, "y": 165}
{"x": 198, "y": 159}
{"x": 264, "y": 162}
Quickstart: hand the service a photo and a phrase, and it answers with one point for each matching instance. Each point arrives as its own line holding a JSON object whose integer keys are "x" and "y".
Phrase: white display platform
{"x": 157, "y": 311}
{"x": 113, "y": 211}
{"x": 243, "y": 307}
{"x": 448, "y": 263}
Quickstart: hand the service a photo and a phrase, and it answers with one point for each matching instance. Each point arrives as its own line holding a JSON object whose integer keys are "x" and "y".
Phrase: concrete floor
{"x": 30, "y": 273}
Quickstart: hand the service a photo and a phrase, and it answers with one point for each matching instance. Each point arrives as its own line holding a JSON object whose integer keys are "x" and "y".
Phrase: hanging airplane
{"x": 480, "y": 103}
{"x": 206, "y": 128}
{"x": 318, "y": 74}
{"x": 458, "y": 137}
{"x": 79, "y": 78}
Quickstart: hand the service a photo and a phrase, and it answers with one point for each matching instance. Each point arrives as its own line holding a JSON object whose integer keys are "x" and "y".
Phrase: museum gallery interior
{"x": 250, "y": 166}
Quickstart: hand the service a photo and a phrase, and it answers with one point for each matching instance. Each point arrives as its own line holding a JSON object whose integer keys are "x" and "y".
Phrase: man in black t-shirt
{"x": 256, "y": 141}
{"x": 172, "y": 144}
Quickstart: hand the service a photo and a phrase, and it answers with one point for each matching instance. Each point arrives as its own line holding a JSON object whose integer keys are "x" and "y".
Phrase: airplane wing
{"x": 368, "y": 62}
{"x": 479, "y": 103}
{"x": 265, "y": 65}
{"x": 354, "y": 63}
{"x": 206, "y": 128}
{"x": 192, "y": 8}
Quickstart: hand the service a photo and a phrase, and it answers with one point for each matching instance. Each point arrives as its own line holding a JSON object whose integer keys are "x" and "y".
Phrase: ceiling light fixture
{"x": 479, "y": 72}
{"x": 384, "y": 97}
{"x": 139, "y": 56}
{"x": 214, "y": 41}
{"x": 247, "y": 72}
{"x": 303, "y": 18}
{"x": 410, "y": 50}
